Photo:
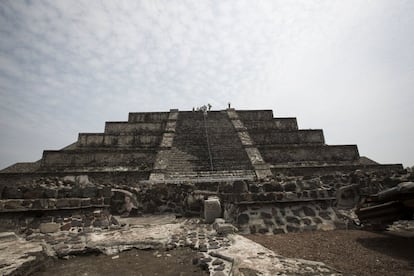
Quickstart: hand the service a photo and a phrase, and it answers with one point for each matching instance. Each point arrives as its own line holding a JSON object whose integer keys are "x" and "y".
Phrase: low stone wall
{"x": 309, "y": 169}
{"x": 51, "y": 204}
{"x": 79, "y": 220}
{"x": 283, "y": 204}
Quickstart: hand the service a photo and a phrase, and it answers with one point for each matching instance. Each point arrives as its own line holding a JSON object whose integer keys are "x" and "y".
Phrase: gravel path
{"x": 353, "y": 252}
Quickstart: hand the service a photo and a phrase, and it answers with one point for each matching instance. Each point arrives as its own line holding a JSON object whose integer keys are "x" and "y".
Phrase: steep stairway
{"x": 207, "y": 147}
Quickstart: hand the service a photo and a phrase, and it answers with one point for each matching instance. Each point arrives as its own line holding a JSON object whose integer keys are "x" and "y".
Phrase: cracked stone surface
{"x": 230, "y": 254}
{"x": 17, "y": 253}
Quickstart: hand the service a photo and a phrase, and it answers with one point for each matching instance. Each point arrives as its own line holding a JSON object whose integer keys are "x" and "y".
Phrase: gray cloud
{"x": 345, "y": 66}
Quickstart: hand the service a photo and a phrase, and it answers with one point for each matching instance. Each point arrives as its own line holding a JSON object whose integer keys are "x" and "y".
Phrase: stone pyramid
{"x": 178, "y": 145}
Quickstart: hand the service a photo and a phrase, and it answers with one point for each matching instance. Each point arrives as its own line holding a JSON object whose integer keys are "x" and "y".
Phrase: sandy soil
{"x": 353, "y": 252}
{"x": 133, "y": 262}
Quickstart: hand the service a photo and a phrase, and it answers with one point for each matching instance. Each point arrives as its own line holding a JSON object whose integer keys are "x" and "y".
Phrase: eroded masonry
{"x": 258, "y": 172}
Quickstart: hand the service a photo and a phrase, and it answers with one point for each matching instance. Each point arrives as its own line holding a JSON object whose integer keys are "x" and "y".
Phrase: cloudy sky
{"x": 344, "y": 66}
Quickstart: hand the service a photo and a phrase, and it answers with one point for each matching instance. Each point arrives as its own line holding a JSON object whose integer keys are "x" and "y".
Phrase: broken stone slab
{"x": 248, "y": 255}
{"x": 18, "y": 256}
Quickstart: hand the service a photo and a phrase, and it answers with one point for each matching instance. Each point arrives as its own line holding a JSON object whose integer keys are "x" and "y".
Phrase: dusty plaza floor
{"x": 349, "y": 252}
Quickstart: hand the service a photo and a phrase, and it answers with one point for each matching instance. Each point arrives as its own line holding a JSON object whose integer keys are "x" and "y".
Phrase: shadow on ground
{"x": 392, "y": 245}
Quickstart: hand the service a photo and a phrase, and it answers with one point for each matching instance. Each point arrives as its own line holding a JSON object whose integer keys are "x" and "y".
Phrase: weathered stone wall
{"x": 143, "y": 158}
{"x": 135, "y": 117}
{"x": 323, "y": 169}
{"x": 301, "y": 203}
{"x": 108, "y": 140}
{"x": 158, "y": 198}
{"x": 112, "y": 179}
{"x": 79, "y": 220}
{"x": 44, "y": 194}
{"x": 283, "y": 218}
{"x": 307, "y": 153}
{"x": 125, "y": 127}
{"x": 295, "y": 137}
{"x": 283, "y": 204}
{"x": 281, "y": 124}
{"x": 51, "y": 203}
{"x": 255, "y": 115}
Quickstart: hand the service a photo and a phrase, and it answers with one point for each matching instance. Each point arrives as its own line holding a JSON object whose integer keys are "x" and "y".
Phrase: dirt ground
{"x": 132, "y": 262}
{"x": 352, "y": 252}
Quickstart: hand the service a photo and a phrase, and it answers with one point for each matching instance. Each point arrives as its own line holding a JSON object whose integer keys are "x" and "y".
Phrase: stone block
{"x": 217, "y": 222}
{"x": 33, "y": 193}
{"x": 69, "y": 180}
{"x": 106, "y": 191}
{"x": 278, "y": 231}
{"x": 50, "y": 193}
{"x": 317, "y": 220}
{"x": 85, "y": 202}
{"x": 243, "y": 219}
{"x": 293, "y": 220}
{"x": 64, "y": 192}
{"x": 74, "y": 202}
{"x": 13, "y": 204}
{"x": 309, "y": 211}
{"x": 254, "y": 188}
{"x": 292, "y": 229}
{"x": 82, "y": 180}
{"x": 65, "y": 227}
{"x": 307, "y": 221}
{"x": 212, "y": 209}
{"x": 225, "y": 187}
{"x": 49, "y": 227}
{"x": 75, "y": 191}
{"x": 265, "y": 215}
{"x": 89, "y": 192}
{"x": 324, "y": 215}
{"x": 62, "y": 203}
{"x": 263, "y": 230}
{"x": 76, "y": 223}
{"x": 309, "y": 228}
{"x": 12, "y": 193}
{"x": 223, "y": 228}
{"x": 290, "y": 187}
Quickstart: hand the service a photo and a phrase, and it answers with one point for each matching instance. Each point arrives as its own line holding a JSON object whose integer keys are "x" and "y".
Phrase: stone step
{"x": 213, "y": 175}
